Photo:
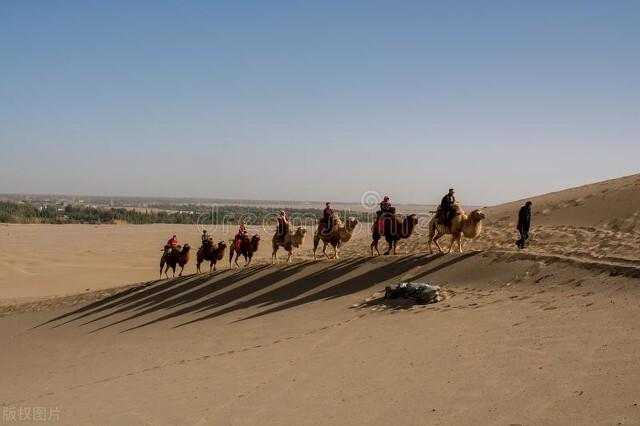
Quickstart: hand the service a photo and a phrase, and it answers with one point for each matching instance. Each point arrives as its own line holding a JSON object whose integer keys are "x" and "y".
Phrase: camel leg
{"x": 453, "y": 240}
{"x": 435, "y": 240}
{"x": 274, "y": 256}
{"x": 290, "y": 257}
{"x": 374, "y": 245}
{"x": 324, "y": 250}
{"x": 181, "y": 269}
{"x": 237, "y": 264}
{"x": 395, "y": 244}
{"x": 460, "y": 244}
{"x": 161, "y": 266}
{"x": 316, "y": 240}
{"x": 390, "y": 244}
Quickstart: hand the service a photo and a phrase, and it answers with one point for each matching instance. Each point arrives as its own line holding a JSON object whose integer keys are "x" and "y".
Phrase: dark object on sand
{"x": 422, "y": 293}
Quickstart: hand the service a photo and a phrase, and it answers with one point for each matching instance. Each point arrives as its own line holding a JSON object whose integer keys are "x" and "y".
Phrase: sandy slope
{"x": 517, "y": 341}
{"x": 545, "y": 336}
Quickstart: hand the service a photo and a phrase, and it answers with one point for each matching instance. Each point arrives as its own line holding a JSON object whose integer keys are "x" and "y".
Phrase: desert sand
{"x": 547, "y": 335}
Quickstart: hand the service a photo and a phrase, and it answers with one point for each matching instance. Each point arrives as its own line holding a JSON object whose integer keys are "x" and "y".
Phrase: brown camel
{"x": 470, "y": 226}
{"x": 213, "y": 253}
{"x": 289, "y": 242}
{"x": 339, "y": 235}
{"x": 246, "y": 249}
{"x": 394, "y": 230}
{"x": 175, "y": 256}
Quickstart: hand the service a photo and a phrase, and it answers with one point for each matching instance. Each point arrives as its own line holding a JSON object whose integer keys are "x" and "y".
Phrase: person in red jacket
{"x": 241, "y": 236}
{"x": 171, "y": 244}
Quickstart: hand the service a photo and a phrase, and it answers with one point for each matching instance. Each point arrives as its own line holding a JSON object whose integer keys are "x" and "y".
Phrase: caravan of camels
{"x": 448, "y": 219}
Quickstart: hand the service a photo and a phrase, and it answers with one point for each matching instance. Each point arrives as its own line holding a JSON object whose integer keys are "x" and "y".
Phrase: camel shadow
{"x": 267, "y": 290}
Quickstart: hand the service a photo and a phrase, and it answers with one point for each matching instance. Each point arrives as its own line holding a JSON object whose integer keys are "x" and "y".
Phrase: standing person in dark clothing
{"x": 447, "y": 206}
{"x": 524, "y": 223}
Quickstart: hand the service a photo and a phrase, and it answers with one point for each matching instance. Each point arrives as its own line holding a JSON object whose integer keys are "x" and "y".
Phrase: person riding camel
{"x": 206, "y": 239}
{"x": 283, "y": 225}
{"x": 171, "y": 244}
{"x": 447, "y": 207}
{"x": 385, "y": 205}
{"x": 241, "y": 235}
{"x": 327, "y": 217}
{"x": 384, "y": 212}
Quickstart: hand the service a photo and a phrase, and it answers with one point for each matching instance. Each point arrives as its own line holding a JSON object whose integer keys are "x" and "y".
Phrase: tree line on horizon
{"x": 25, "y": 213}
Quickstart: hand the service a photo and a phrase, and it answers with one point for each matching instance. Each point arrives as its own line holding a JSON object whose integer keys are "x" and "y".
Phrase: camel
{"x": 461, "y": 224}
{"x": 291, "y": 241}
{"x": 213, "y": 253}
{"x": 246, "y": 249}
{"x": 394, "y": 230}
{"x": 177, "y": 256}
{"x": 339, "y": 235}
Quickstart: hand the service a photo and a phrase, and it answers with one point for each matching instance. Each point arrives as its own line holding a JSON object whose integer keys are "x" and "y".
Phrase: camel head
{"x": 255, "y": 239}
{"x": 186, "y": 248}
{"x": 351, "y": 223}
{"x": 477, "y": 215}
{"x": 301, "y": 231}
{"x": 221, "y": 246}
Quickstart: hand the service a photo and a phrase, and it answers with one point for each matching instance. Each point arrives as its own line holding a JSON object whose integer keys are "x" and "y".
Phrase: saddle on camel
{"x": 445, "y": 218}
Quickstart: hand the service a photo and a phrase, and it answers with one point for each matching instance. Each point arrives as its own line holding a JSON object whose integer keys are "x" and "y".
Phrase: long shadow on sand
{"x": 224, "y": 292}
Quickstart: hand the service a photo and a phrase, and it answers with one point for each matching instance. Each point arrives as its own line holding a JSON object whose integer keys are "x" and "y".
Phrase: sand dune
{"x": 547, "y": 335}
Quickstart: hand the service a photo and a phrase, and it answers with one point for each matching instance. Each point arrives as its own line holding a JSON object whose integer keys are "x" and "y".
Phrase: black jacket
{"x": 447, "y": 202}
{"x": 524, "y": 217}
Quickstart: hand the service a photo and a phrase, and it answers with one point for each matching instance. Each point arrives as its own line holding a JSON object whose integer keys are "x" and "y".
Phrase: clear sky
{"x": 317, "y": 100}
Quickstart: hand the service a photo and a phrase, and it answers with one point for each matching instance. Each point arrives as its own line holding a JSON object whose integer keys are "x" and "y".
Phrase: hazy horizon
{"x": 292, "y": 101}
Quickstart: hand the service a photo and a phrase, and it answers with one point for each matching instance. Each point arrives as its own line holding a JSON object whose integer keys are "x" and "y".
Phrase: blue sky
{"x": 317, "y": 100}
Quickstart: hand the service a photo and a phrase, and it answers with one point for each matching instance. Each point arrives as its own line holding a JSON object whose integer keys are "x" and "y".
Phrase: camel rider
{"x": 171, "y": 244}
{"x": 283, "y": 225}
{"x": 447, "y": 206}
{"x": 206, "y": 238}
{"x": 385, "y": 207}
{"x": 327, "y": 216}
{"x": 524, "y": 223}
{"x": 241, "y": 235}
